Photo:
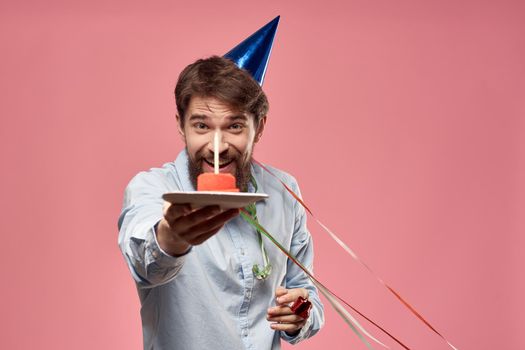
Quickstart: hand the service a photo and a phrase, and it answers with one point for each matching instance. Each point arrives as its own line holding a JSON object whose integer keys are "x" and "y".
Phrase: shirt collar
{"x": 181, "y": 166}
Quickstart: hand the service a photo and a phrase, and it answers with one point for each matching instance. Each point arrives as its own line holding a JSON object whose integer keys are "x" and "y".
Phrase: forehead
{"x": 210, "y": 106}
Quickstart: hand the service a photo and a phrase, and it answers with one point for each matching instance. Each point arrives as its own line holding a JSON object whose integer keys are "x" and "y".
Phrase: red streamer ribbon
{"x": 327, "y": 292}
{"x": 359, "y": 260}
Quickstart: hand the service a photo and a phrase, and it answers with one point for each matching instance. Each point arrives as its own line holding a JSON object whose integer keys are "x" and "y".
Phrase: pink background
{"x": 402, "y": 120}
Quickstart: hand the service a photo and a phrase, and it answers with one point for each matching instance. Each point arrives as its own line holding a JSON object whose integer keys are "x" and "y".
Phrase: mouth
{"x": 224, "y": 166}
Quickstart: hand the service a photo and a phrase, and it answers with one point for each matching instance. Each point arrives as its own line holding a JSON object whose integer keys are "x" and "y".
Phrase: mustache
{"x": 223, "y": 158}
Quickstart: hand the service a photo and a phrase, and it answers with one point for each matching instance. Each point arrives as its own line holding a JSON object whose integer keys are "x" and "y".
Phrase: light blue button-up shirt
{"x": 209, "y": 298}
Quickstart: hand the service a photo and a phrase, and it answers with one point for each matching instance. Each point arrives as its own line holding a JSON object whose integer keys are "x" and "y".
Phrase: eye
{"x": 237, "y": 126}
{"x": 200, "y": 126}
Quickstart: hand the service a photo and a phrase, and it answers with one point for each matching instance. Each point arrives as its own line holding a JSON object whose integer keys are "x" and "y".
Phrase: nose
{"x": 222, "y": 144}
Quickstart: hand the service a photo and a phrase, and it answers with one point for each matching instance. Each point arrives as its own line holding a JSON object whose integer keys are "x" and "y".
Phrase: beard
{"x": 242, "y": 168}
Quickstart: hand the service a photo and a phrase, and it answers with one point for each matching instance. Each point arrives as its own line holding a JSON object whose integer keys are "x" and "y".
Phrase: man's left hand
{"x": 282, "y": 315}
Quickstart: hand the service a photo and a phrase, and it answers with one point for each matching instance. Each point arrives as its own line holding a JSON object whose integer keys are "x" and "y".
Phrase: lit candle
{"x": 216, "y": 151}
{"x": 215, "y": 181}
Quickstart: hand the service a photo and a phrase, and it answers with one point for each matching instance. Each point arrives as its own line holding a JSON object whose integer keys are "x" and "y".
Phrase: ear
{"x": 180, "y": 128}
{"x": 260, "y": 129}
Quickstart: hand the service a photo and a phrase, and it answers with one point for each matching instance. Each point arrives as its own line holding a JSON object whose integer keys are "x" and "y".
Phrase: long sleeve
{"x": 302, "y": 248}
{"x": 150, "y": 266}
{"x": 214, "y": 282}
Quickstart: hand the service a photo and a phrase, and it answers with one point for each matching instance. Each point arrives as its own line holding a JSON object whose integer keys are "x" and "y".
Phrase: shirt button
{"x": 242, "y": 251}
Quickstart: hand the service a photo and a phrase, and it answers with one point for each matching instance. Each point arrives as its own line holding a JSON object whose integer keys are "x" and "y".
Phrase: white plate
{"x": 226, "y": 200}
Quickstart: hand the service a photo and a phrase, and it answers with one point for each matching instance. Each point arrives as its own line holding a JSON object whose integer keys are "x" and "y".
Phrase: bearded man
{"x": 197, "y": 270}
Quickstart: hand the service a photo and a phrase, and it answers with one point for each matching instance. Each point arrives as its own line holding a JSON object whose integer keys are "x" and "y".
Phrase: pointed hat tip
{"x": 253, "y": 53}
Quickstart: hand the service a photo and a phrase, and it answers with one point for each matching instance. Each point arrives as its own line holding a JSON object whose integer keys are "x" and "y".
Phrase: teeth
{"x": 220, "y": 164}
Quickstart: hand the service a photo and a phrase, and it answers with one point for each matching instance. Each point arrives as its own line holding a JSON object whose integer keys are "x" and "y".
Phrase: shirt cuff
{"x": 161, "y": 258}
{"x": 293, "y": 339}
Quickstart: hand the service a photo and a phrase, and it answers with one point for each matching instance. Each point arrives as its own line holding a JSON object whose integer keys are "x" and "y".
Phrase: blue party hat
{"x": 253, "y": 53}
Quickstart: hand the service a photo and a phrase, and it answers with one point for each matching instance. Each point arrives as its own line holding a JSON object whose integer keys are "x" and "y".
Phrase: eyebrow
{"x": 238, "y": 117}
{"x": 198, "y": 117}
{"x": 232, "y": 118}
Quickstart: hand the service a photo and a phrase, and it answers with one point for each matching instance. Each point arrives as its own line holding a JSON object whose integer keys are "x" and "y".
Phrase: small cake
{"x": 223, "y": 182}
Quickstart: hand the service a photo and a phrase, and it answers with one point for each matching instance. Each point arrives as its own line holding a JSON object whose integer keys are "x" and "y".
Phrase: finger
{"x": 183, "y": 223}
{"x": 292, "y": 296}
{"x": 280, "y": 291}
{"x": 203, "y": 237}
{"x": 286, "y": 319}
{"x": 173, "y": 211}
{"x": 216, "y": 221}
{"x": 198, "y": 234}
{"x": 282, "y": 310}
{"x": 287, "y": 327}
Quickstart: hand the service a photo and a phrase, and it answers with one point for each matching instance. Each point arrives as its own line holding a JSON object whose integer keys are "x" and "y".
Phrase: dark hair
{"x": 220, "y": 78}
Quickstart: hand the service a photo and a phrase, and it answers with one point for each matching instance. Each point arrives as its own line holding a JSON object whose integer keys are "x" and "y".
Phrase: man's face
{"x": 237, "y": 134}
